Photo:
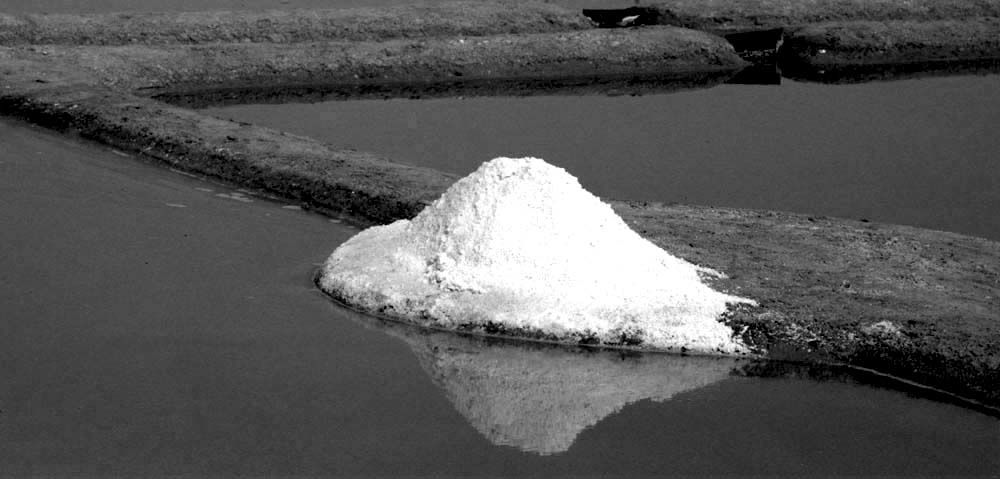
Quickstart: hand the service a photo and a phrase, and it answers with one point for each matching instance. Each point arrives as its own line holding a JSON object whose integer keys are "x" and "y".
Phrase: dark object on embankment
{"x": 756, "y": 40}
{"x": 623, "y": 17}
{"x": 751, "y": 44}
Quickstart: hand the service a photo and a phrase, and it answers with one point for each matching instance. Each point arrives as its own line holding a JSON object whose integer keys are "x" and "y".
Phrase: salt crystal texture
{"x": 520, "y": 248}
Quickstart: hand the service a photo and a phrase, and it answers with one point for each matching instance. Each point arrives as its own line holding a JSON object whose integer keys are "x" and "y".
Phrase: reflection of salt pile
{"x": 518, "y": 247}
{"x": 539, "y": 399}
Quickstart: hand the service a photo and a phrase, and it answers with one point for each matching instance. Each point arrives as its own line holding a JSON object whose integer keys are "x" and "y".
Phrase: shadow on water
{"x": 773, "y": 70}
{"x": 757, "y": 74}
{"x": 892, "y": 72}
{"x": 768, "y": 72}
{"x": 539, "y": 397}
{"x": 844, "y": 374}
{"x": 611, "y": 85}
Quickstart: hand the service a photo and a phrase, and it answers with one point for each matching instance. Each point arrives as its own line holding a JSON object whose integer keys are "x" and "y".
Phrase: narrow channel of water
{"x": 918, "y": 152}
{"x": 152, "y": 323}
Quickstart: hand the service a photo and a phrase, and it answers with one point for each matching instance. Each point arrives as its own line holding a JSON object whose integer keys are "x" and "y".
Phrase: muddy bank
{"x": 847, "y": 40}
{"x": 849, "y": 50}
{"x": 358, "y": 185}
{"x": 726, "y": 16}
{"x": 914, "y": 303}
{"x": 290, "y": 26}
{"x": 101, "y": 91}
{"x": 152, "y": 70}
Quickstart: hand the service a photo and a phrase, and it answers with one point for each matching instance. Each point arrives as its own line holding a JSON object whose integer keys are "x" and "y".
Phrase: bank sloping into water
{"x": 725, "y": 16}
{"x": 341, "y": 182}
{"x": 914, "y": 303}
{"x": 843, "y": 40}
{"x": 152, "y": 70}
{"x": 864, "y": 50}
{"x": 918, "y": 304}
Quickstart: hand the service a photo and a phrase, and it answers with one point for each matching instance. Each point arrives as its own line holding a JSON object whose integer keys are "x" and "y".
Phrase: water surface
{"x": 152, "y": 323}
{"x": 918, "y": 152}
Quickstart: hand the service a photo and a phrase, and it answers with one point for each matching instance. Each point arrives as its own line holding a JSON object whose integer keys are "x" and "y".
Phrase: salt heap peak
{"x": 520, "y": 248}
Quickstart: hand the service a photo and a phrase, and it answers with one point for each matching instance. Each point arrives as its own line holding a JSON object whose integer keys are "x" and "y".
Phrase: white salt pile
{"x": 520, "y": 248}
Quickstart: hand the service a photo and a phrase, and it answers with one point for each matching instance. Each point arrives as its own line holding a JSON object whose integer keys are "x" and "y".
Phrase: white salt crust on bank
{"x": 520, "y": 246}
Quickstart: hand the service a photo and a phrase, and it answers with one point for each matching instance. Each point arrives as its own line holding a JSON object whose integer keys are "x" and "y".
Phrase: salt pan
{"x": 519, "y": 247}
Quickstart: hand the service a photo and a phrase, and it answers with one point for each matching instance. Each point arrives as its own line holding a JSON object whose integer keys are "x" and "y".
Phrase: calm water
{"x": 918, "y": 152}
{"x": 153, "y": 323}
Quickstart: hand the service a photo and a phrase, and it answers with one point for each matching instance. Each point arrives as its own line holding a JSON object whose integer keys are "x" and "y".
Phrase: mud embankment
{"x": 470, "y": 18}
{"x": 499, "y": 63}
{"x": 727, "y": 16}
{"x": 357, "y": 185}
{"x": 921, "y": 305}
{"x": 853, "y": 40}
{"x": 917, "y": 304}
{"x": 868, "y": 50}
{"x": 103, "y": 91}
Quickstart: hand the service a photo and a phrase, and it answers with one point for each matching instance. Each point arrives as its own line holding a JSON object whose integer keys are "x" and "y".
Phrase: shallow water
{"x": 154, "y": 323}
{"x": 917, "y": 152}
